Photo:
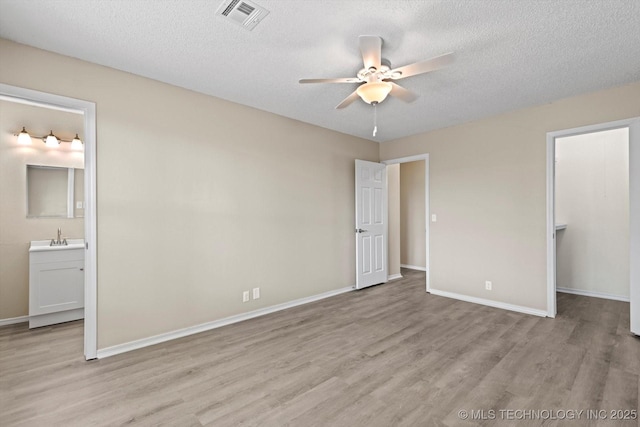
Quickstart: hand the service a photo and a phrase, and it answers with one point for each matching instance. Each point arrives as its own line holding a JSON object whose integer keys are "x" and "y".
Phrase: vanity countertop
{"x": 45, "y": 245}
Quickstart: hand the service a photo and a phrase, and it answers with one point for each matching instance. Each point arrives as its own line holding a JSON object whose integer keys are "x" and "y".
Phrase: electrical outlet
{"x": 79, "y": 205}
{"x": 488, "y": 285}
{"x": 256, "y": 293}
{"x": 245, "y": 296}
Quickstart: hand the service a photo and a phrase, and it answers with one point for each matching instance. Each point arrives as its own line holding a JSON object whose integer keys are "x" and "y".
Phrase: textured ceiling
{"x": 509, "y": 54}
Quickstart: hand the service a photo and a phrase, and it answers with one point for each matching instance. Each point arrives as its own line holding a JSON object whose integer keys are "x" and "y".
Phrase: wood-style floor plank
{"x": 387, "y": 355}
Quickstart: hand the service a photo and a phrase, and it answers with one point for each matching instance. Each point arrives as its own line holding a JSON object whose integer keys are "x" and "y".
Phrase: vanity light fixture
{"x": 76, "y": 144}
{"x": 50, "y": 140}
{"x": 23, "y": 137}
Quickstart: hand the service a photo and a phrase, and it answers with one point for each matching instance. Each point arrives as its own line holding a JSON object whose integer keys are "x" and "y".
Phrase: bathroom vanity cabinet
{"x": 56, "y": 282}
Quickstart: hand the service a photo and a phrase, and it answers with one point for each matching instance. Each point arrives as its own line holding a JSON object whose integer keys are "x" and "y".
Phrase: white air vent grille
{"x": 245, "y": 8}
{"x": 242, "y": 12}
{"x": 230, "y": 7}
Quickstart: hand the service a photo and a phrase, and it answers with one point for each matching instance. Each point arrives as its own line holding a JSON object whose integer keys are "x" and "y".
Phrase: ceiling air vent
{"x": 242, "y": 12}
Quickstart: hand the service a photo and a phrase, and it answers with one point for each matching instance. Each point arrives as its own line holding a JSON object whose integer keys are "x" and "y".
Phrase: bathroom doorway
{"x": 63, "y": 117}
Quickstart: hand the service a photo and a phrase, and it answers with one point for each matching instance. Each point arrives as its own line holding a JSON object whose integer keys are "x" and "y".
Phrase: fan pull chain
{"x": 375, "y": 118}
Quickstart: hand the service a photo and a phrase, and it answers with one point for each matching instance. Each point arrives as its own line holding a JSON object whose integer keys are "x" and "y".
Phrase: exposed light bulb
{"x": 23, "y": 137}
{"x": 51, "y": 140}
{"x": 76, "y": 144}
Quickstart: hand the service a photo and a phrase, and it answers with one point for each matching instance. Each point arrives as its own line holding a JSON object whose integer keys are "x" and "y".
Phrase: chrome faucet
{"x": 59, "y": 242}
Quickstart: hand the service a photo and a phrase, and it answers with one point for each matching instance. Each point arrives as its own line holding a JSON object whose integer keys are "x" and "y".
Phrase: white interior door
{"x": 371, "y": 223}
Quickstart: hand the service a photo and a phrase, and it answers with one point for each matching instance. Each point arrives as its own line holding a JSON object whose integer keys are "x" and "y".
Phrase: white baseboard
{"x": 490, "y": 303}
{"x": 14, "y": 320}
{"x": 413, "y": 267}
{"x": 157, "y": 339}
{"x": 593, "y": 294}
{"x": 394, "y": 277}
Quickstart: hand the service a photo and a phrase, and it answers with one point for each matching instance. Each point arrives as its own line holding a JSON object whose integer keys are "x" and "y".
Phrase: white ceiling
{"x": 509, "y": 54}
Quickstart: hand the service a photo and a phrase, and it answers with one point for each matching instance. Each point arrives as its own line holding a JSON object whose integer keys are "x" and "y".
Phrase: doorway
{"x": 88, "y": 111}
{"x": 400, "y": 218}
{"x": 587, "y": 186}
{"x": 592, "y": 214}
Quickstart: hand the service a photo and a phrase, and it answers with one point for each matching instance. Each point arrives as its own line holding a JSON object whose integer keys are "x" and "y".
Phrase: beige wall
{"x": 488, "y": 189}
{"x": 16, "y": 230}
{"x": 412, "y": 214}
{"x": 592, "y": 198}
{"x": 199, "y": 199}
{"x": 393, "y": 189}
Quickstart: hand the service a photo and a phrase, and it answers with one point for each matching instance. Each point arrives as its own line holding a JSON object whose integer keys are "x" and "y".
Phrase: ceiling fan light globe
{"x": 374, "y": 91}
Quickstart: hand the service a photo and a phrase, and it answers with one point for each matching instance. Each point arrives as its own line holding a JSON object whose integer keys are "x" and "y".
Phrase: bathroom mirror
{"x": 54, "y": 192}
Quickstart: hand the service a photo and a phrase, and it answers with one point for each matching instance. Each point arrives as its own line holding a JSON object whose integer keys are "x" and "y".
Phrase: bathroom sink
{"x": 45, "y": 245}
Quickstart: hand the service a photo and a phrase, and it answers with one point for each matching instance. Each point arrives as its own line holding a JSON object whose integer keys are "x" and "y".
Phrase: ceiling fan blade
{"x": 348, "y": 100}
{"x": 338, "y": 80}
{"x": 402, "y": 93}
{"x": 371, "y": 49}
{"x": 421, "y": 67}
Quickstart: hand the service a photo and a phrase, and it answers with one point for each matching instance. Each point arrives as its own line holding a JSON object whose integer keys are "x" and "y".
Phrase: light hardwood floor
{"x": 385, "y": 356}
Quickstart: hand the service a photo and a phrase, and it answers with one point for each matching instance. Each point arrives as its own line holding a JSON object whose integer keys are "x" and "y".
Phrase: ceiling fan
{"x": 377, "y": 76}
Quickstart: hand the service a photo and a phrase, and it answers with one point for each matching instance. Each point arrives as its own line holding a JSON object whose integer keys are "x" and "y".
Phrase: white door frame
{"x": 88, "y": 110}
{"x": 416, "y": 158}
{"x": 634, "y": 207}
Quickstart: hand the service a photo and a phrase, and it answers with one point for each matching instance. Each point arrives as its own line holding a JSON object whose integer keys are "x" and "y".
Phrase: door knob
{"x": 360, "y": 230}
